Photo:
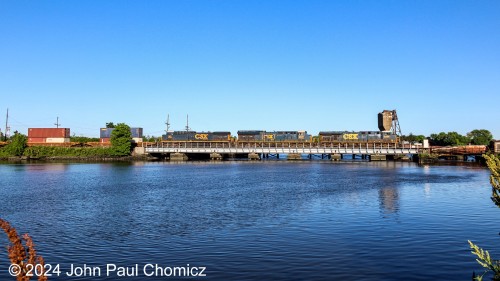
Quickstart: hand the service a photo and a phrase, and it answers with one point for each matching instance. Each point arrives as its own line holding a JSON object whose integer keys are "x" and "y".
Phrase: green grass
{"x": 54, "y": 151}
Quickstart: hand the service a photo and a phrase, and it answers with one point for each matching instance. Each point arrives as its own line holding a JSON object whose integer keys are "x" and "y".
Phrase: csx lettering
{"x": 269, "y": 137}
{"x": 201, "y": 136}
{"x": 350, "y": 136}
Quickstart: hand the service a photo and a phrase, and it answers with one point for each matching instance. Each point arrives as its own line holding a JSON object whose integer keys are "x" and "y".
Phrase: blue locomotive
{"x": 276, "y": 136}
{"x": 362, "y": 136}
{"x": 196, "y": 136}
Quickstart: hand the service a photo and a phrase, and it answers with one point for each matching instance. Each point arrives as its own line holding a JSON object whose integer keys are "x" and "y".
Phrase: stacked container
{"x": 105, "y": 134}
{"x": 48, "y": 135}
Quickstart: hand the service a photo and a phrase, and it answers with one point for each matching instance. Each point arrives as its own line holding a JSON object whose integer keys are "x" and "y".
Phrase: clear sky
{"x": 235, "y": 65}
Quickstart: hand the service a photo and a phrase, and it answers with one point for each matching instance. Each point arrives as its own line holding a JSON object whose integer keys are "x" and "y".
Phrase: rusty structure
{"x": 388, "y": 122}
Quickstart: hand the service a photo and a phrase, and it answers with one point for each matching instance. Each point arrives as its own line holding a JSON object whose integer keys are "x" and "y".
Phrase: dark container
{"x": 105, "y": 132}
{"x": 136, "y": 132}
{"x": 48, "y": 133}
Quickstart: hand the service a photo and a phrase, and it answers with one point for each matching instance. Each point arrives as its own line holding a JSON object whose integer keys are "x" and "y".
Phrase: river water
{"x": 252, "y": 221}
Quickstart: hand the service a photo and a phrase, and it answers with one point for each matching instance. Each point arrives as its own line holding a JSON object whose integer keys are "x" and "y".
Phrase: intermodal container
{"x": 137, "y": 140}
{"x": 136, "y": 132}
{"x": 36, "y": 140}
{"x": 57, "y": 140}
{"x": 48, "y": 133}
{"x": 106, "y": 132}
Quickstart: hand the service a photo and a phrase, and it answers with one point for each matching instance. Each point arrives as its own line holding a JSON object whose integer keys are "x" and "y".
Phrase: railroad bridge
{"x": 293, "y": 150}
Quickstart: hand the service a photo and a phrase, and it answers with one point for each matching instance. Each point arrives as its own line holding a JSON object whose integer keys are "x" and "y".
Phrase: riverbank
{"x": 78, "y": 158}
{"x": 48, "y": 153}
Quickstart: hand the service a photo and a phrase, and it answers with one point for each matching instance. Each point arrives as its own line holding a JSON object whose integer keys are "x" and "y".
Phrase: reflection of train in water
{"x": 283, "y": 136}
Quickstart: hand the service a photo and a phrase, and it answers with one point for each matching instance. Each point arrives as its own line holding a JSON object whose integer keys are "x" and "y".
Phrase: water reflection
{"x": 389, "y": 199}
{"x": 427, "y": 190}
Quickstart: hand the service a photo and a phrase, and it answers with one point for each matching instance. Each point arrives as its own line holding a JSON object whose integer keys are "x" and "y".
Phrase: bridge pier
{"x": 253, "y": 156}
{"x": 215, "y": 156}
{"x": 378, "y": 157}
{"x": 294, "y": 156}
{"x": 336, "y": 157}
{"x": 178, "y": 157}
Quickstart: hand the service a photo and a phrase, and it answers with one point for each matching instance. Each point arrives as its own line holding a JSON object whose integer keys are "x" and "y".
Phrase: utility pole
{"x": 187, "y": 123}
{"x": 167, "y": 123}
{"x": 57, "y": 123}
{"x": 6, "y": 125}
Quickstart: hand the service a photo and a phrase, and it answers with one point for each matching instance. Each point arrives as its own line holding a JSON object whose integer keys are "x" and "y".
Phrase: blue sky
{"x": 231, "y": 65}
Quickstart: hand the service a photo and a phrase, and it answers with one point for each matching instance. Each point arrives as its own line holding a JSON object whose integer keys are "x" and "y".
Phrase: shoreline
{"x": 124, "y": 159}
{"x": 78, "y": 158}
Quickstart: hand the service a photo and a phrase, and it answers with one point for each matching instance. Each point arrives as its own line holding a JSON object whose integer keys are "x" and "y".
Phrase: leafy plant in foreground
{"x": 483, "y": 257}
{"x": 22, "y": 255}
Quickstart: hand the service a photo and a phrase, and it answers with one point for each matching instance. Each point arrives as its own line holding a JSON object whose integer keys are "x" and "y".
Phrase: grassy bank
{"x": 54, "y": 151}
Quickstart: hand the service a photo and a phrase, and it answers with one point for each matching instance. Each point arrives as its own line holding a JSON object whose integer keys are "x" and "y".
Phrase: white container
{"x": 426, "y": 143}
{"x": 57, "y": 140}
{"x": 137, "y": 140}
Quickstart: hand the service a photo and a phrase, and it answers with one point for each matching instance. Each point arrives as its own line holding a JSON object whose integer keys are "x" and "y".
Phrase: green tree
{"x": 151, "y": 139}
{"x": 413, "y": 138}
{"x": 18, "y": 143}
{"x": 120, "y": 139}
{"x": 483, "y": 257}
{"x": 450, "y": 138}
{"x": 110, "y": 125}
{"x": 481, "y": 137}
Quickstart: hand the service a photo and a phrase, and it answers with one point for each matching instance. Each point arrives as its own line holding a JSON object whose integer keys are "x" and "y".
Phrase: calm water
{"x": 255, "y": 221}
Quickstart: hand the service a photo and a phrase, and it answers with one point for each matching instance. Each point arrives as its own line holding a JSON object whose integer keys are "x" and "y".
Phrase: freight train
{"x": 283, "y": 136}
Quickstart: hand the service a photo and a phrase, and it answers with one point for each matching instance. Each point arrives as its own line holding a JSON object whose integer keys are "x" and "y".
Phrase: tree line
{"x": 476, "y": 137}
